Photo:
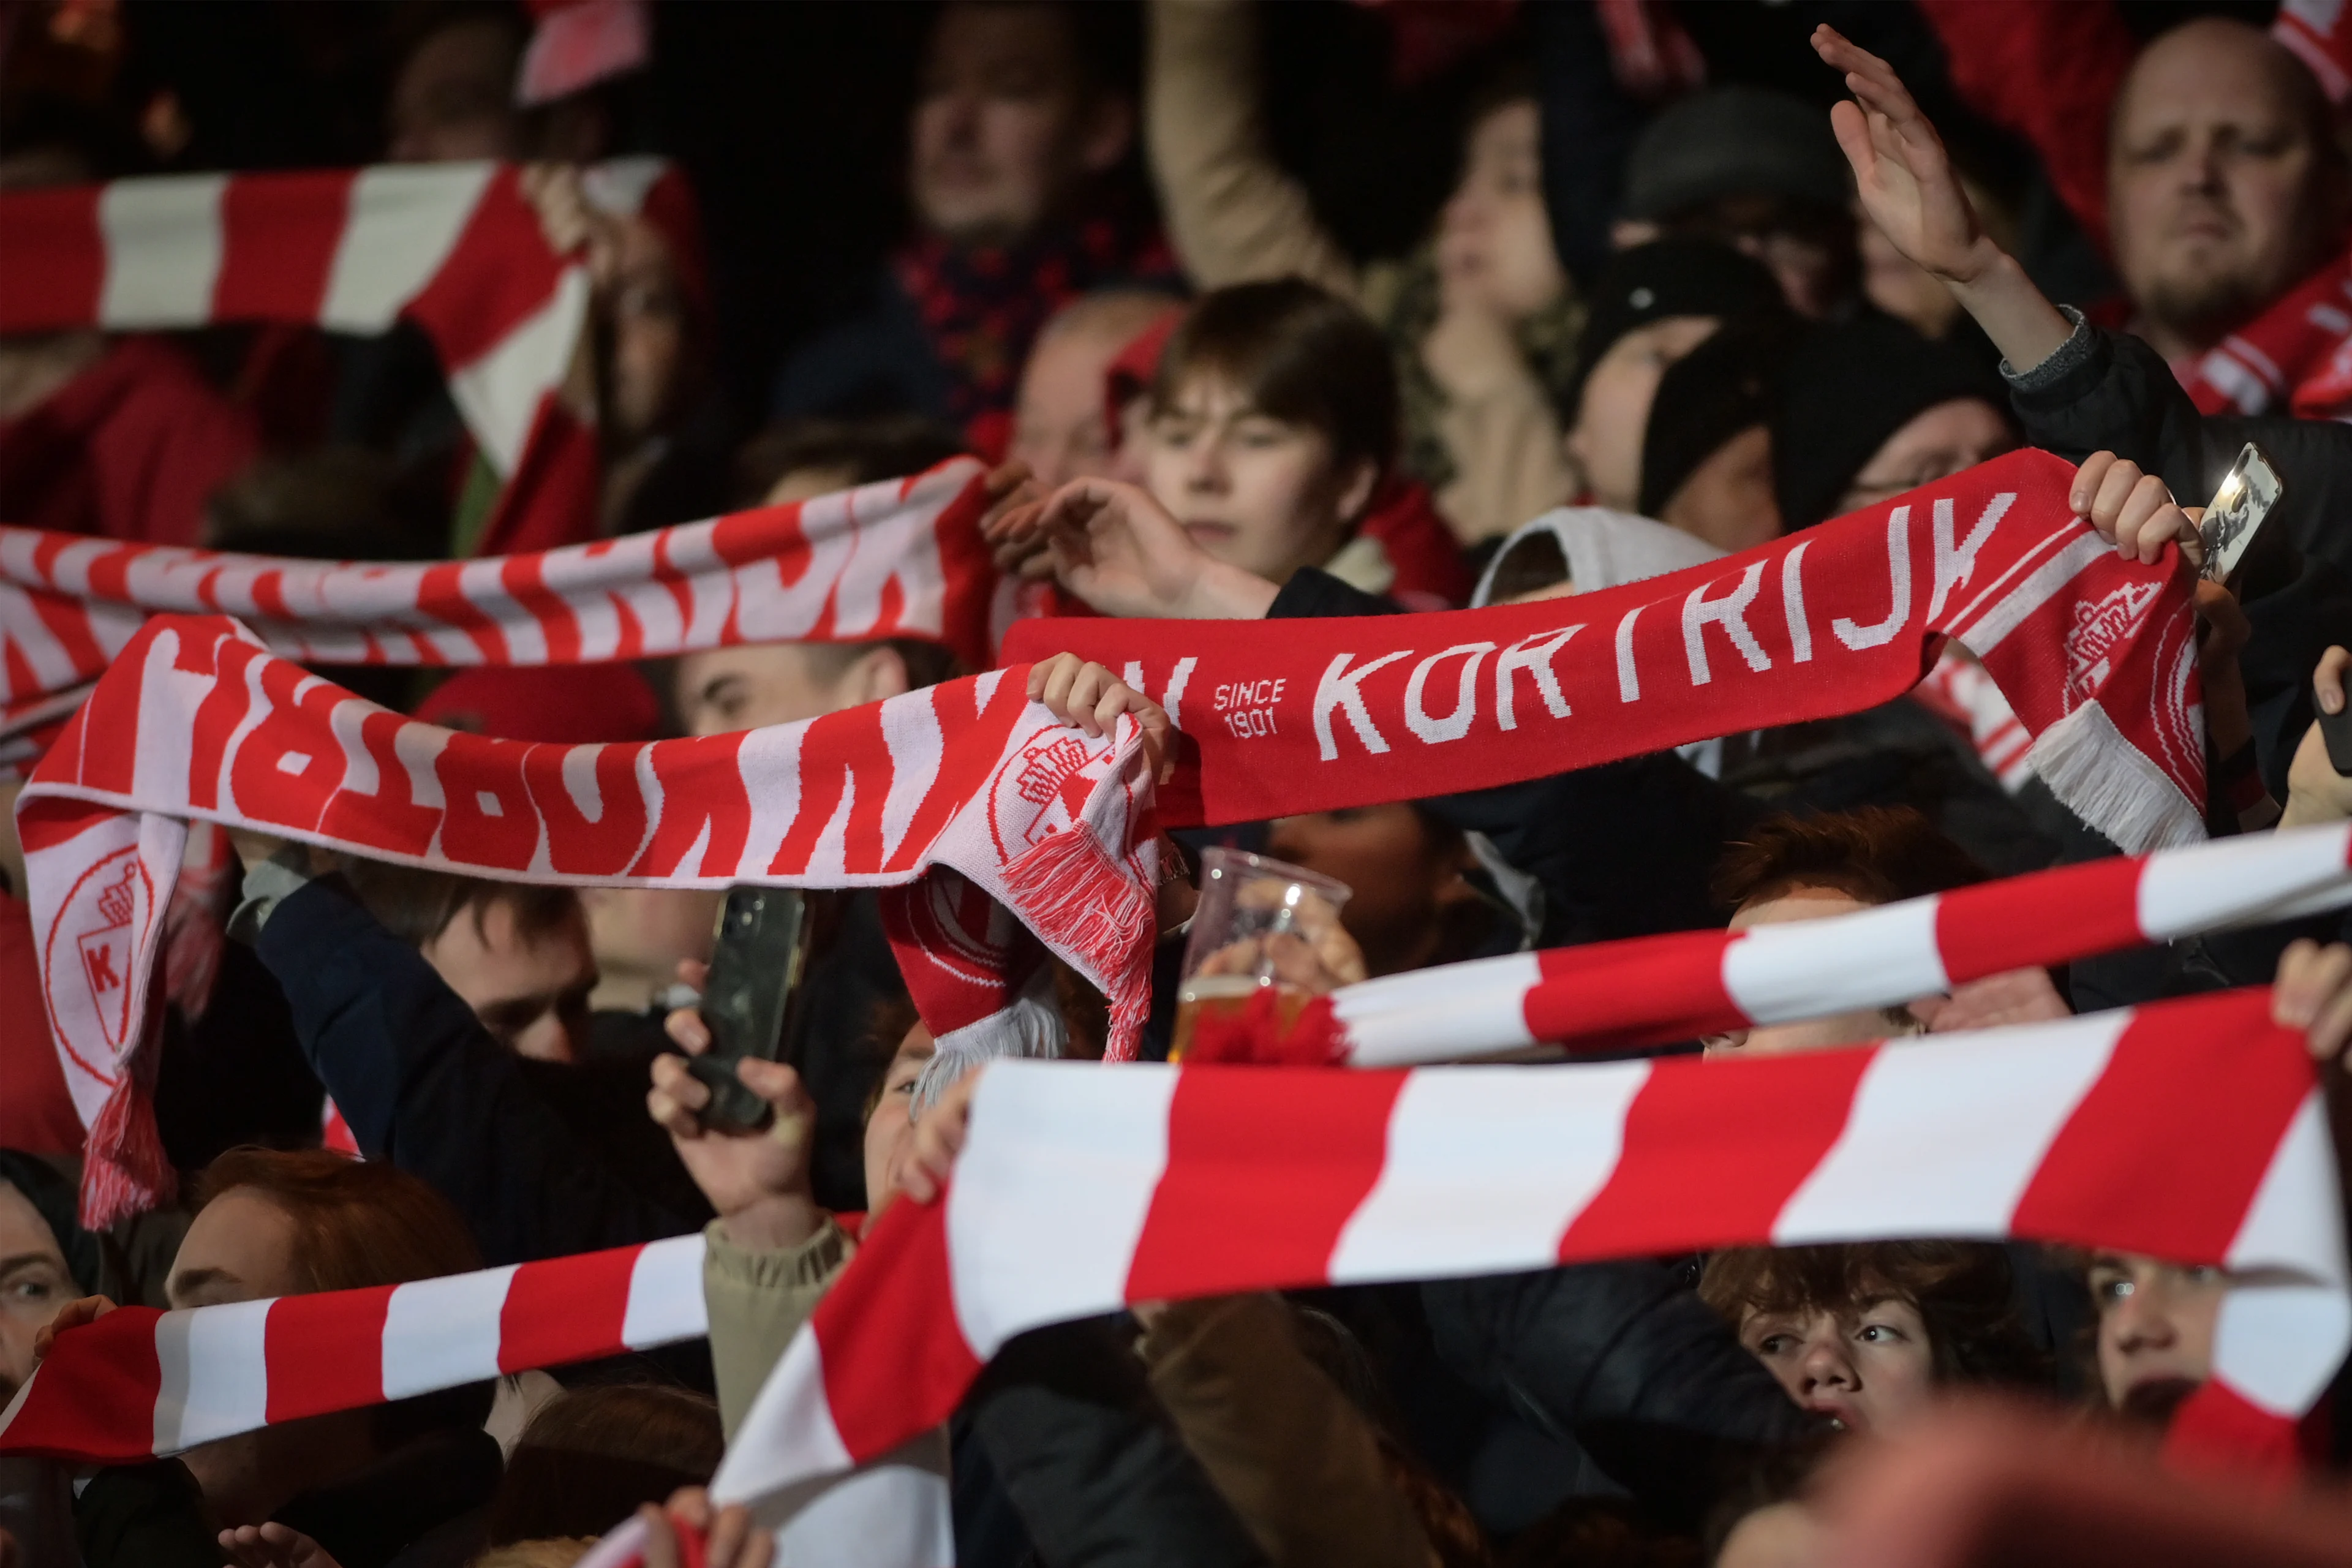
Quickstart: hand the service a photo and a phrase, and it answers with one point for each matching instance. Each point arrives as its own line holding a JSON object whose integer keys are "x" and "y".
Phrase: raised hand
{"x": 1907, "y": 185}
{"x": 1009, "y": 526}
{"x": 2017, "y": 996}
{"x": 2316, "y": 792}
{"x": 938, "y": 1138}
{"x": 757, "y": 1182}
{"x": 1079, "y": 692}
{"x": 2134, "y": 511}
{"x": 730, "y": 1537}
{"x": 72, "y": 1315}
{"x": 1117, "y": 548}
{"x": 1900, "y": 169}
{"x": 2313, "y": 994}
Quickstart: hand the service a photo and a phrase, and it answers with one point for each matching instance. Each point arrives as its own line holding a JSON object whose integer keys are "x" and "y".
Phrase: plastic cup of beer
{"x": 1261, "y": 925}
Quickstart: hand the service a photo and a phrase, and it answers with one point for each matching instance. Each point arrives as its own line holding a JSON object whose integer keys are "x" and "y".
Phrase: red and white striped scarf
{"x": 962, "y": 799}
{"x": 2192, "y": 1131}
{"x": 2320, "y": 35}
{"x": 454, "y": 248}
{"x": 2096, "y": 654}
{"x": 1615, "y": 994}
{"x": 2295, "y": 358}
{"x": 902, "y": 558}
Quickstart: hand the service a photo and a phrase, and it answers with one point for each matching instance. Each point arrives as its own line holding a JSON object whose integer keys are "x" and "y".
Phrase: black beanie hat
{"x": 1725, "y": 385}
{"x": 1670, "y": 278}
{"x": 54, "y": 1198}
{"x": 1848, "y": 388}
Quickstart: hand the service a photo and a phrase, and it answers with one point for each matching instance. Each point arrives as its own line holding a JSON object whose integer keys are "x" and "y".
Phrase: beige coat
{"x": 1234, "y": 217}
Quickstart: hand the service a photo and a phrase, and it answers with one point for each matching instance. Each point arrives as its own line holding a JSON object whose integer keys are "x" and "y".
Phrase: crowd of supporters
{"x": 1706, "y": 275}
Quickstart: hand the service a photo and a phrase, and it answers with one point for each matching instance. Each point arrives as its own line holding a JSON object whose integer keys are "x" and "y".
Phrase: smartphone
{"x": 756, "y": 967}
{"x": 2336, "y": 734}
{"x": 2233, "y": 525}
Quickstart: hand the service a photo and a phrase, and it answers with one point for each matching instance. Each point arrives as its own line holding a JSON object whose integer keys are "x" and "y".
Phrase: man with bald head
{"x": 2226, "y": 195}
{"x": 1062, "y": 420}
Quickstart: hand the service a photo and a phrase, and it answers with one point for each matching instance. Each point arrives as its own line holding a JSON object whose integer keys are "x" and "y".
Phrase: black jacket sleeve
{"x": 2119, "y": 397}
{"x": 423, "y": 1085}
{"x": 1623, "y": 1359}
{"x": 1096, "y": 1472}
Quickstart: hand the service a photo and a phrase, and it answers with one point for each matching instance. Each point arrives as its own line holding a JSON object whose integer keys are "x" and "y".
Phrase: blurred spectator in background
{"x": 1655, "y": 306}
{"x": 2156, "y": 1323}
{"x": 516, "y": 953}
{"x": 1482, "y": 320}
{"x": 1064, "y": 426}
{"x": 1756, "y": 170}
{"x": 1869, "y": 410}
{"x": 1018, "y": 125}
{"x": 1707, "y": 447}
{"x": 464, "y": 88}
{"x": 1871, "y": 1334}
{"x": 453, "y": 94}
{"x": 116, "y": 436}
{"x": 2226, "y": 186}
{"x": 369, "y": 1480}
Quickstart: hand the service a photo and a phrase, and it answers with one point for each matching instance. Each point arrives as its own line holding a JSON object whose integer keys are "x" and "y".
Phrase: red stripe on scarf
{"x": 1671, "y": 1163}
{"x": 280, "y": 238}
{"x": 2114, "y": 1177}
{"x": 325, "y": 1352}
{"x": 1317, "y": 1139}
{"x": 53, "y": 253}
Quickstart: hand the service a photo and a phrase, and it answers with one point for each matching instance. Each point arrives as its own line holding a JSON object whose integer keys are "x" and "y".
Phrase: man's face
{"x": 1806, "y": 1034}
{"x": 2217, "y": 199}
{"x": 455, "y": 97}
{"x": 1612, "y": 416}
{"x": 530, "y": 990}
{"x": 34, "y": 1283}
{"x": 1005, "y": 125}
{"x": 1058, "y": 428}
{"x": 2156, "y": 1326}
{"x": 754, "y": 685}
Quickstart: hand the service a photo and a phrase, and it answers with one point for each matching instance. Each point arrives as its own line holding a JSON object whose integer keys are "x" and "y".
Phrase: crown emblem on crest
{"x": 115, "y": 903}
{"x": 1041, "y": 778}
{"x": 2098, "y": 629}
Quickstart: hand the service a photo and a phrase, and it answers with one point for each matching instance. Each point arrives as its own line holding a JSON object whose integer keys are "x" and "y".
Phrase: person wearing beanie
{"x": 1706, "y": 453}
{"x": 1655, "y": 304}
{"x": 1869, "y": 408}
{"x": 1755, "y": 169}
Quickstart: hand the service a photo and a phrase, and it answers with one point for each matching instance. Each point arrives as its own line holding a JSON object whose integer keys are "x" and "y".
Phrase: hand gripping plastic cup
{"x": 1262, "y": 928}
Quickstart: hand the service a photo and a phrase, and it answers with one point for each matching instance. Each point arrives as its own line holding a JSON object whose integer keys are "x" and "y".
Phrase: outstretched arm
{"x": 1908, "y": 187}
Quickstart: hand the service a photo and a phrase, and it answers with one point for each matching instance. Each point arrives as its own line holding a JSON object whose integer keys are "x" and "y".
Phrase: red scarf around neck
{"x": 2295, "y": 358}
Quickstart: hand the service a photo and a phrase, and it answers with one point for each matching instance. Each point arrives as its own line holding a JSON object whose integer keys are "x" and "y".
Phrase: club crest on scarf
{"x": 2100, "y": 628}
{"x": 101, "y": 918}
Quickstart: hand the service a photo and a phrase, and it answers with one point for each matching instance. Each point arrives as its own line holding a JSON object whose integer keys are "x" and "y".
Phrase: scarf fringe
{"x": 125, "y": 1171}
{"x": 2103, "y": 778}
{"x": 1070, "y": 886}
